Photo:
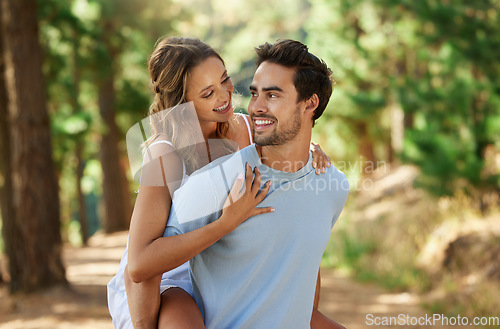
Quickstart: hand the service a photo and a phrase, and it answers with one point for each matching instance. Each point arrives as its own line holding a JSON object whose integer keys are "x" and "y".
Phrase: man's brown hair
{"x": 312, "y": 75}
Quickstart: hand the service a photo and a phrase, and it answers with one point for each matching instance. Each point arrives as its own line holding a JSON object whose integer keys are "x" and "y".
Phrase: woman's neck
{"x": 208, "y": 129}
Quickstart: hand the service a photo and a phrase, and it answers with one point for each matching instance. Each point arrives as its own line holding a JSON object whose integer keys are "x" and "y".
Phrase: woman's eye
{"x": 209, "y": 95}
{"x": 226, "y": 79}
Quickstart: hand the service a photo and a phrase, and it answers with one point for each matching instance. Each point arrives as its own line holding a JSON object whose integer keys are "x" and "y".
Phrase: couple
{"x": 257, "y": 273}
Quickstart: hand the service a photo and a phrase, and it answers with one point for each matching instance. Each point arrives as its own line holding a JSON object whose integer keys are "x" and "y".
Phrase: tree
{"x": 5, "y": 158}
{"x": 118, "y": 17}
{"x": 63, "y": 77}
{"x": 116, "y": 198}
{"x": 353, "y": 37}
{"x": 117, "y": 201}
{"x": 32, "y": 234}
{"x": 453, "y": 94}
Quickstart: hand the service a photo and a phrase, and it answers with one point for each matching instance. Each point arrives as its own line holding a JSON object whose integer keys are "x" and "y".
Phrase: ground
{"x": 83, "y": 306}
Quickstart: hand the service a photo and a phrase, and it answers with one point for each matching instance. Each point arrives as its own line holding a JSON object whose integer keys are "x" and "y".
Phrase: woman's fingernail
{"x": 240, "y": 176}
{"x": 272, "y": 209}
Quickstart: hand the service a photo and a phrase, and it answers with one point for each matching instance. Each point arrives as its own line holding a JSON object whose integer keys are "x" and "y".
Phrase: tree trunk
{"x": 82, "y": 213}
{"x": 397, "y": 131}
{"x": 32, "y": 235}
{"x": 5, "y": 157}
{"x": 366, "y": 149}
{"x": 117, "y": 203}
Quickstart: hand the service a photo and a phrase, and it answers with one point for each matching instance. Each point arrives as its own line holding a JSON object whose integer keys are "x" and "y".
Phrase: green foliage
{"x": 438, "y": 61}
{"x": 455, "y": 93}
{"x": 85, "y": 41}
{"x": 354, "y": 253}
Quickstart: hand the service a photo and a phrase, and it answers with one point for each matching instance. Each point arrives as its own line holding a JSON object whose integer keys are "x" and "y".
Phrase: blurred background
{"x": 413, "y": 121}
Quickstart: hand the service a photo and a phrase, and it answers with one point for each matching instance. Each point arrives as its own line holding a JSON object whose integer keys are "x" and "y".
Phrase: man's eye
{"x": 273, "y": 95}
{"x": 253, "y": 94}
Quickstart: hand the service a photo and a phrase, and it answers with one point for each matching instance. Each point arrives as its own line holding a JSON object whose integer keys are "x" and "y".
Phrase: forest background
{"x": 414, "y": 122}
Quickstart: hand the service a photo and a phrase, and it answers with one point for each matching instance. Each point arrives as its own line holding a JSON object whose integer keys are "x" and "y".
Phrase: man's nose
{"x": 258, "y": 105}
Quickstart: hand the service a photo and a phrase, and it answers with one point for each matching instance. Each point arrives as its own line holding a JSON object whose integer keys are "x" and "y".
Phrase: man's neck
{"x": 289, "y": 157}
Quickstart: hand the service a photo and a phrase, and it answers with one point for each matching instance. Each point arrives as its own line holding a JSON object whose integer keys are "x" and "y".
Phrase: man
{"x": 264, "y": 273}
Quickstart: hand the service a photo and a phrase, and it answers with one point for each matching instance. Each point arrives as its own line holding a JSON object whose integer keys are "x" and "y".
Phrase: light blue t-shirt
{"x": 263, "y": 274}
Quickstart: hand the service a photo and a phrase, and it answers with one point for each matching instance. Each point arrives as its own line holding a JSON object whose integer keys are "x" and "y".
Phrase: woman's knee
{"x": 179, "y": 310}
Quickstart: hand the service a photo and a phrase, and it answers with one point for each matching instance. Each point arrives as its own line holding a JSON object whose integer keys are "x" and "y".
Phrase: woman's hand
{"x": 241, "y": 205}
{"x": 320, "y": 159}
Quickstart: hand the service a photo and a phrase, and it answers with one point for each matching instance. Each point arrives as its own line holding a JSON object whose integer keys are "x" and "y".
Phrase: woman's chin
{"x": 225, "y": 115}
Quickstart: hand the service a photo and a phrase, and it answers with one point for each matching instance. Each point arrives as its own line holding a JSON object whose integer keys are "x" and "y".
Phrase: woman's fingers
{"x": 248, "y": 177}
{"x": 234, "y": 193}
{"x": 315, "y": 155}
{"x": 323, "y": 162}
{"x": 264, "y": 210}
{"x": 253, "y": 185}
{"x": 256, "y": 181}
{"x": 262, "y": 194}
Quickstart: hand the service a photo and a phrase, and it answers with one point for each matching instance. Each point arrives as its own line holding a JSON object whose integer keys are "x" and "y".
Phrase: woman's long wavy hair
{"x": 170, "y": 65}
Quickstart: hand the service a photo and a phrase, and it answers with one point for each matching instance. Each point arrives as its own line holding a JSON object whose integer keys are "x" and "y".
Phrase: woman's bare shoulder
{"x": 162, "y": 165}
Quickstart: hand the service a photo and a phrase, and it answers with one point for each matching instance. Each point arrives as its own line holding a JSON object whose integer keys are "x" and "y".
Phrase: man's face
{"x": 276, "y": 115}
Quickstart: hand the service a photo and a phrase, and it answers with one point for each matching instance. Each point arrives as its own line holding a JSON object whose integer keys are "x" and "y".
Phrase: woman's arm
{"x": 161, "y": 174}
{"x": 151, "y": 254}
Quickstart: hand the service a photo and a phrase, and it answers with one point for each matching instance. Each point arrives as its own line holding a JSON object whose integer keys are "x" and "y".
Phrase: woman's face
{"x": 210, "y": 89}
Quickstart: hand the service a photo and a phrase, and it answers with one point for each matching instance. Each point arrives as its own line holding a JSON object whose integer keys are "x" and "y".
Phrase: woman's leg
{"x": 143, "y": 301}
{"x": 178, "y": 310}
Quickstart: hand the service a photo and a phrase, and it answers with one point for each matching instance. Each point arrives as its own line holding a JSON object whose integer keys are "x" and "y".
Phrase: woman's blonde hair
{"x": 169, "y": 65}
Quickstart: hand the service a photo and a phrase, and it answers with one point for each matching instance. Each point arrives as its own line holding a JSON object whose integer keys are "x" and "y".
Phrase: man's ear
{"x": 312, "y": 103}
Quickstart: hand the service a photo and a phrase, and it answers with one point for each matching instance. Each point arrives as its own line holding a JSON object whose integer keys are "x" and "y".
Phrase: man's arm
{"x": 318, "y": 320}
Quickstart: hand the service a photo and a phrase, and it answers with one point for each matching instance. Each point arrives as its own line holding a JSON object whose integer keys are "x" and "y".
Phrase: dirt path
{"x": 90, "y": 268}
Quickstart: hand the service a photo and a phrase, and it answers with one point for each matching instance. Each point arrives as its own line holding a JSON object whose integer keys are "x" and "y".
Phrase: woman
{"x": 182, "y": 70}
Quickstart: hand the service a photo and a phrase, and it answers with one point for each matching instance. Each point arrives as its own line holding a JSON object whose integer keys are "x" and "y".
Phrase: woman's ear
{"x": 312, "y": 103}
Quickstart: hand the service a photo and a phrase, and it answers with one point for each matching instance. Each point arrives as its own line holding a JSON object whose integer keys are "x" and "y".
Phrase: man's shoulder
{"x": 332, "y": 180}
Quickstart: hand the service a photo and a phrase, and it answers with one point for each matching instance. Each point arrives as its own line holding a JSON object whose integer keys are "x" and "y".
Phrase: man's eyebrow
{"x": 222, "y": 76}
{"x": 272, "y": 88}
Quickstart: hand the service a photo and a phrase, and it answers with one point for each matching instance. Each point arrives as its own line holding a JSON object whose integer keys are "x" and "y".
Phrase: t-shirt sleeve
{"x": 340, "y": 196}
